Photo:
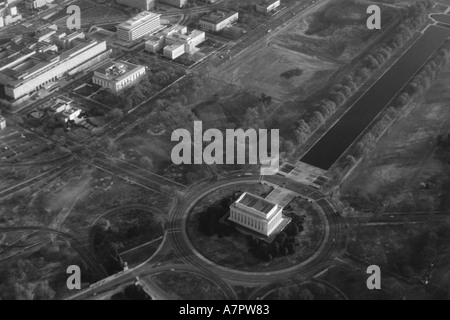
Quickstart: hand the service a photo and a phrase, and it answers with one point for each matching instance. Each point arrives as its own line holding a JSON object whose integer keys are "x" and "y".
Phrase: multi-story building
{"x": 175, "y": 3}
{"x": 155, "y": 43}
{"x": 64, "y": 107}
{"x": 143, "y": 24}
{"x": 35, "y": 4}
{"x": 8, "y": 15}
{"x": 117, "y": 75}
{"x": 176, "y": 41}
{"x": 138, "y": 4}
{"x": 266, "y": 6}
{"x": 28, "y": 64}
{"x": 218, "y": 20}
{"x": 190, "y": 40}
{"x": 173, "y": 51}
{"x": 2, "y": 123}
{"x": 256, "y": 214}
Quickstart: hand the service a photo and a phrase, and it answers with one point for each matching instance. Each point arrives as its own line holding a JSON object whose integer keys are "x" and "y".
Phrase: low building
{"x": 2, "y": 123}
{"x": 175, "y": 3}
{"x": 60, "y": 105}
{"x": 174, "y": 51}
{"x": 266, "y": 6}
{"x": 155, "y": 43}
{"x": 72, "y": 114}
{"x": 64, "y": 107}
{"x": 117, "y": 75}
{"x": 176, "y": 41}
{"x": 257, "y": 214}
{"x": 144, "y": 5}
{"x": 218, "y": 20}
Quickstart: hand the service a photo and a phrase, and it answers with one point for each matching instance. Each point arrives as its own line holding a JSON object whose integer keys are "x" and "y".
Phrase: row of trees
{"x": 418, "y": 85}
{"x": 412, "y": 18}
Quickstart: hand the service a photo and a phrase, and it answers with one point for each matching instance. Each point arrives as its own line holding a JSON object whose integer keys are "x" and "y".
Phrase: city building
{"x": 175, "y": 3}
{"x": 28, "y": 64}
{"x": 8, "y": 15}
{"x": 173, "y": 51}
{"x": 155, "y": 43}
{"x": 218, "y": 20}
{"x": 64, "y": 107}
{"x": 257, "y": 214}
{"x": 117, "y": 75}
{"x": 144, "y": 5}
{"x": 143, "y": 24}
{"x": 72, "y": 114}
{"x": 176, "y": 41}
{"x": 35, "y": 4}
{"x": 2, "y": 123}
{"x": 266, "y": 6}
{"x": 61, "y": 104}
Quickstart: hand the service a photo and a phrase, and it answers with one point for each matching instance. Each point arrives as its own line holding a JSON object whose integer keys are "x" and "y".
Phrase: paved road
{"x": 176, "y": 238}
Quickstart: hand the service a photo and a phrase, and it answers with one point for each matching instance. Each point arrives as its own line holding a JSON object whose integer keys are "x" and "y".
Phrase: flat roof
{"x": 257, "y": 203}
{"x": 267, "y": 2}
{"x": 115, "y": 70}
{"x": 218, "y": 16}
{"x": 136, "y": 20}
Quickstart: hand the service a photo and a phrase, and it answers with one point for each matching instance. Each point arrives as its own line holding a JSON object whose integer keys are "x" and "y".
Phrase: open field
{"x": 405, "y": 157}
{"x": 188, "y": 286}
{"x": 404, "y": 250}
{"x": 148, "y": 143}
{"x": 304, "y": 291}
{"x": 352, "y": 282}
{"x": 311, "y": 48}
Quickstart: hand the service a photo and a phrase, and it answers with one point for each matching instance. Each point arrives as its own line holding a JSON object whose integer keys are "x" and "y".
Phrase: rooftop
{"x": 257, "y": 203}
{"x": 136, "y": 20}
{"x": 114, "y": 70}
{"x": 218, "y": 16}
{"x": 267, "y": 2}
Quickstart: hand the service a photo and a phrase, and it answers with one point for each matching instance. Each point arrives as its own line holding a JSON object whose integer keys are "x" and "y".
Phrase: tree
{"x": 43, "y": 291}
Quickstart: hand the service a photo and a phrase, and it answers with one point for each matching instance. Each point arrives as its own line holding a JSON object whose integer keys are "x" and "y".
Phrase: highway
{"x": 76, "y": 245}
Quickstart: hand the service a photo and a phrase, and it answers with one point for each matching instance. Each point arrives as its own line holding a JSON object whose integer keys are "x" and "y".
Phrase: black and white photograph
{"x": 220, "y": 157}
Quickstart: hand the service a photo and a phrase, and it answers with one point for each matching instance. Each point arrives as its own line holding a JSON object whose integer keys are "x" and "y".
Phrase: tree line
{"x": 412, "y": 18}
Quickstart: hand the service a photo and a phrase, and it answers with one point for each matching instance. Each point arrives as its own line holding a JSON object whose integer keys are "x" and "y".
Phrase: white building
{"x": 64, "y": 106}
{"x": 71, "y": 114}
{"x": 155, "y": 43}
{"x": 2, "y": 123}
{"x": 174, "y": 51}
{"x": 60, "y": 105}
{"x": 138, "y": 4}
{"x": 143, "y": 24}
{"x": 176, "y": 41}
{"x": 175, "y": 3}
{"x": 218, "y": 20}
{"x": 256, "y": 214}
{"x": 266, "y": 6}
{"x": 117, "y": 75}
